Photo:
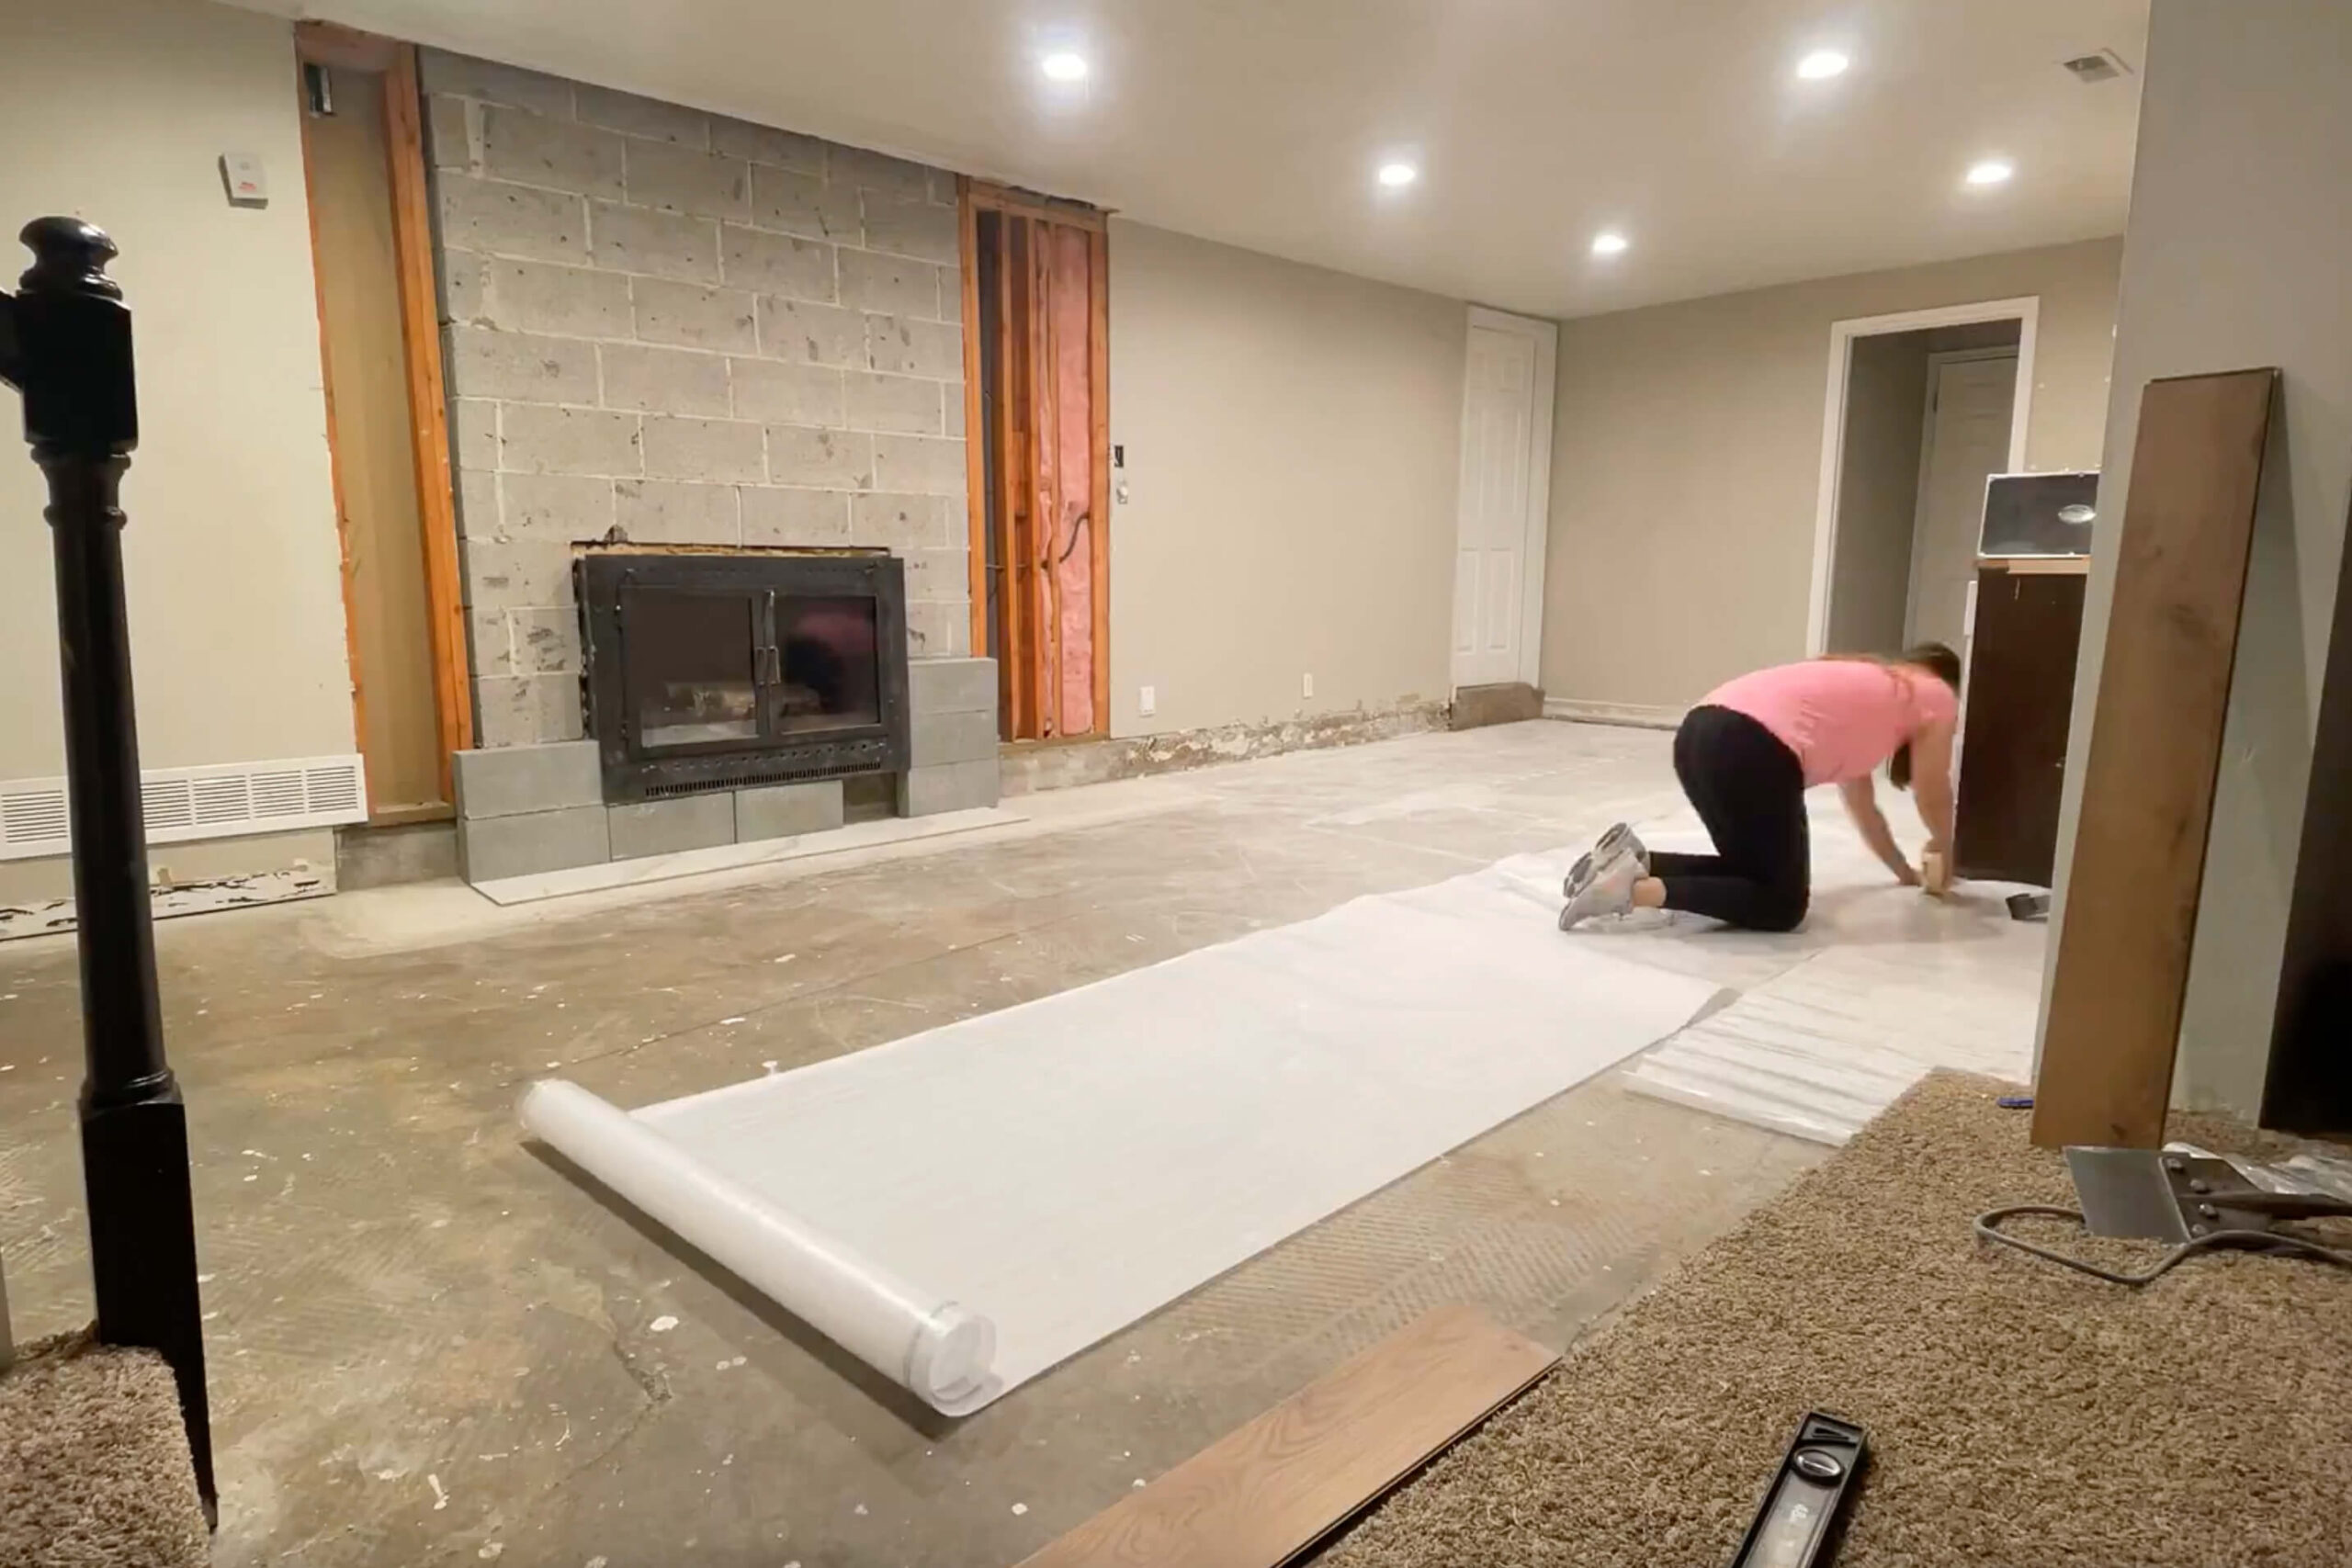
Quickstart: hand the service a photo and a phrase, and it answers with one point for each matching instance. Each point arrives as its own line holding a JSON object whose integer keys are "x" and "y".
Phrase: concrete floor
{"x": 429, "y": 1345}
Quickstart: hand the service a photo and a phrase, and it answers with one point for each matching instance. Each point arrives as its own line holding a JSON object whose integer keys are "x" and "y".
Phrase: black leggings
{"x": 1749, "y": 790}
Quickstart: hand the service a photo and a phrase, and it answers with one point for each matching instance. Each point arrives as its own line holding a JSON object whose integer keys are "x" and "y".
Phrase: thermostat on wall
{"x": 240, "y": 173}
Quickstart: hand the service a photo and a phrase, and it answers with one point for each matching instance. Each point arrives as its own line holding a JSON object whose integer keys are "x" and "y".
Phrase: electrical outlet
{"x": 1306, "y": 685}
{"x": 1147, "y": 701}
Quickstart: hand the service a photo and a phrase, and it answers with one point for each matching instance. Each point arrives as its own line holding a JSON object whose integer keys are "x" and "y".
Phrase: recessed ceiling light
{"x": 1608, "y": 242}
{"x": 1397, "y": 176}
{"x": 1822, "y": 65}
{"x": 1991, "y": 172}
{"x": 1064, "y": 67}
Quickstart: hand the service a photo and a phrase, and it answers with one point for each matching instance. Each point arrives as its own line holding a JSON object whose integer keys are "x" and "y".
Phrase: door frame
{"x": 2025, "y": 310}
{"x": 1545, "y": 335}
{"x": 1935, "y": 364}
{"x": 972, "y": 196}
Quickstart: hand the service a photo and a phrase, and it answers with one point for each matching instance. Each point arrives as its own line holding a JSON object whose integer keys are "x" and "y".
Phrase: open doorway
{"x": 1923, "y": 408}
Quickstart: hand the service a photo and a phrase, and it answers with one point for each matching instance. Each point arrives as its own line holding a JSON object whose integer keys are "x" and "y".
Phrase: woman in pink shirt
{"x": 1745, "y": 756}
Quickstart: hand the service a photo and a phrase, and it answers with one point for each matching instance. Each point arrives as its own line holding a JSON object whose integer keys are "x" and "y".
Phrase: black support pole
{"x": 65, "y": 344}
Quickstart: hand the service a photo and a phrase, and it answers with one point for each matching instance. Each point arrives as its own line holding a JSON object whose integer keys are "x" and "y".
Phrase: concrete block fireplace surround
{"x": 668, "y": 331}
{"x": 524, "y": 809}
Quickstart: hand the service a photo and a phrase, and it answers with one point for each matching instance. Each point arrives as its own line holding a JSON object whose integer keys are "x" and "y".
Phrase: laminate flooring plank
{"x": 1269, "y": 1491}
{"x": 2123, "y": 938}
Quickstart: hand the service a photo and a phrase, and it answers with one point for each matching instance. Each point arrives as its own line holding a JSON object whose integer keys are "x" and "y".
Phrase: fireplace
{"x": 710, "y": 670}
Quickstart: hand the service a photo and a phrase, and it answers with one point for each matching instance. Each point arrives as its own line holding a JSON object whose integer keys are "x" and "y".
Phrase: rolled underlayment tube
{"x": 916, "y": 1338}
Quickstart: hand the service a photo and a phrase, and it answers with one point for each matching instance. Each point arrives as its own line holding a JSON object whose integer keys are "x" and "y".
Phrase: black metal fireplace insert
{"x": 709, "y": 671}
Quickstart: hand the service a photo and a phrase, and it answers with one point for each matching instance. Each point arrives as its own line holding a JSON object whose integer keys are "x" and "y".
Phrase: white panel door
{"x": 1967, "y": 441}
{"x": 1498, "y": 479}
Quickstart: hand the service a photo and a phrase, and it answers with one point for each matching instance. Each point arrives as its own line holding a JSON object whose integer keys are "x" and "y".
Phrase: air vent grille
{"x": 215, "y": 802}
{"x": 2104, "y": 66}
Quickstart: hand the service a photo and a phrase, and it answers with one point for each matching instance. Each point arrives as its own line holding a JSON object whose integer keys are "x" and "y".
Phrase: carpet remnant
{"x": 93, "y": 1462}
{"x": 2019, "y": 1415}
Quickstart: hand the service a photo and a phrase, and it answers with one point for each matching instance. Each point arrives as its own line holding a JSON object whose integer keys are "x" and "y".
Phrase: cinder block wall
{"x": 670, "y": 327}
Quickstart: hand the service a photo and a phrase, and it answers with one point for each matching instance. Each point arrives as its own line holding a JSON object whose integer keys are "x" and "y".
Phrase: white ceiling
{"x": 1535, "y": 122}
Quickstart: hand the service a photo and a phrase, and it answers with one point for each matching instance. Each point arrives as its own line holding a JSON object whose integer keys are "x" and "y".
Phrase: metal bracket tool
{"x": 1796, "y": 1526}
{"x": 2196, "y": 1202}
{"x": 2176, "y": 1198}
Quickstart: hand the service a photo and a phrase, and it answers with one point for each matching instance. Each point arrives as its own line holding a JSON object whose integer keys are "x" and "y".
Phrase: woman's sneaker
{"x": 1619, "y": 840}
{"x": 1609, "y": 892}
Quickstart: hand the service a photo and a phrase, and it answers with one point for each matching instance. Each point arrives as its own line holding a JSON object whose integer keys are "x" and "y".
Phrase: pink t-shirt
{"x": 1841, "y": 716}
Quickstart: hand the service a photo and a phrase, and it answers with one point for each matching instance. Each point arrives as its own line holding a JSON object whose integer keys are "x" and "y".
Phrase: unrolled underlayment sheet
{"x": 1822, "y": 1049}
{"x": 967, "y": 1207}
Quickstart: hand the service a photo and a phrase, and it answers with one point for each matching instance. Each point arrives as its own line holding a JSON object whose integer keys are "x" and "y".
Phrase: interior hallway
{"x": 430, "y": 1345}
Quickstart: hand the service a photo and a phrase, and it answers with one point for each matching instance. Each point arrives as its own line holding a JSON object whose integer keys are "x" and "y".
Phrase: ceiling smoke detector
{"x": 2104, "y": 66}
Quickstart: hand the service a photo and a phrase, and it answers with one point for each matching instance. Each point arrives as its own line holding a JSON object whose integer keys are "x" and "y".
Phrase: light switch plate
{"x": 1147, "y": 701}
{"x": 243, "y": 176}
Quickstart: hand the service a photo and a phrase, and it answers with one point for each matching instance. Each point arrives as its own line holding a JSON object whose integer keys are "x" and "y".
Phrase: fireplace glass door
{"x": 830, "y": 672}
{"x": 709, "y": 671}
{"x": 692, "y": 673}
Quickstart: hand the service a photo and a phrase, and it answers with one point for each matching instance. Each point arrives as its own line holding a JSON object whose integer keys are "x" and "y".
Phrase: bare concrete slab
{"x": 432, "y": 1346}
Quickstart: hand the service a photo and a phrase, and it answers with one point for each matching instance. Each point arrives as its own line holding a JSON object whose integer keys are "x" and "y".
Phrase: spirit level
{"x": 1796, "y": 1526}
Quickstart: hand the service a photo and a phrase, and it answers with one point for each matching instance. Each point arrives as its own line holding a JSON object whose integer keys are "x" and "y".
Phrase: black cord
{"x": 1988, "y": 1227}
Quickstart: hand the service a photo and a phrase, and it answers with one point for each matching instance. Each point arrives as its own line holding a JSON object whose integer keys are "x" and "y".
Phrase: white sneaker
{"x": 1619, "y": 840}
{"x": 1611, "y": 892}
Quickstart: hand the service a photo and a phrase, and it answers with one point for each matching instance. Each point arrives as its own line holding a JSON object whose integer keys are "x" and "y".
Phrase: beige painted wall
{"x": 1292, "y": 440}
{"x": 115, "y": 111}
{"x": 1688, "y": 453}
{"x": 2241, "y": 220}
{"x": 1878, "y": 492}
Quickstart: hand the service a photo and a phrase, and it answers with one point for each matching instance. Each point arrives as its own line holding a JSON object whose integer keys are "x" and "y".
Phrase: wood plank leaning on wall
{"x": 2155, "y": 749}
{"x": 426, "y": 440}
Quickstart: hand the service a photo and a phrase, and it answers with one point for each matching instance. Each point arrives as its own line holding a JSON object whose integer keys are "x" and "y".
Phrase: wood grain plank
{"x": 2155, "y": 749}
{"x": 428, "y": 412}
{"x": 1265, "y": 1492}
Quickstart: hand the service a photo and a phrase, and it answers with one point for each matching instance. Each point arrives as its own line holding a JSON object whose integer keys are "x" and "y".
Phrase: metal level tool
{"x": 1804, "y": 1508}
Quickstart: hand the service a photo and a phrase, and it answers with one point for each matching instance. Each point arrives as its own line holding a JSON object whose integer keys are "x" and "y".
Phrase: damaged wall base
{"x": 1064, "y": 765}
{"x": 51, "y": 916}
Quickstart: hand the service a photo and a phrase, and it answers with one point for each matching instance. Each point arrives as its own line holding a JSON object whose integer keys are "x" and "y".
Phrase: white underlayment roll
{"x": 1065, "y": 1167}
{"x": 918, "y": 1340}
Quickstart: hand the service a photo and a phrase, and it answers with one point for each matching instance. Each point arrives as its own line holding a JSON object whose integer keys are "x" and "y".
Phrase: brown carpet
{"x": 93, "y": 1462}
{"x": 2020, "y": 1415}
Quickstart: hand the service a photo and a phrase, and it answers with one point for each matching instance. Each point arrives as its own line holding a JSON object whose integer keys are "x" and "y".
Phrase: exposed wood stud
{"x": 1099, "y": 503}
{"x": 976, "y": 467}
{"x": 334, "y": 461}
{"x": 428, "y": 408}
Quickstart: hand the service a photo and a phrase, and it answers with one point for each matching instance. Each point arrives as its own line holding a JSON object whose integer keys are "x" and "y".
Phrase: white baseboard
{"x": 1638, "y": 716}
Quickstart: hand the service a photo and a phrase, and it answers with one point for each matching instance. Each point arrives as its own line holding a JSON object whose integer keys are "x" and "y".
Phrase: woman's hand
{"x": 1906, "y": 873}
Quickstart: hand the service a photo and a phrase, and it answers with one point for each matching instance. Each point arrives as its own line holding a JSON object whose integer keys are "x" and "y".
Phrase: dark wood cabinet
{"x": 2021, "y": 656}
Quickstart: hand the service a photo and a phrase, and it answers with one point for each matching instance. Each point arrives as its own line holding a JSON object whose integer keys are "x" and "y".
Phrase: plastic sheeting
{"x": 1042, "y": 1176}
